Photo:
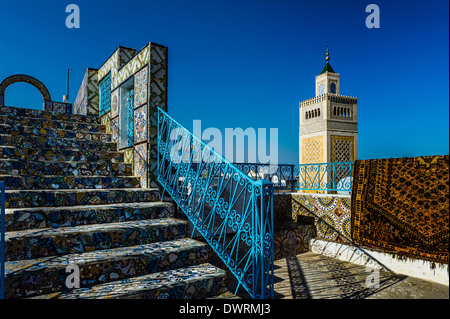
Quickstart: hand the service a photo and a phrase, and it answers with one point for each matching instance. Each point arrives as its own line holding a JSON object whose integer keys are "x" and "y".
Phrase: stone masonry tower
{"x": 328, "y": 122}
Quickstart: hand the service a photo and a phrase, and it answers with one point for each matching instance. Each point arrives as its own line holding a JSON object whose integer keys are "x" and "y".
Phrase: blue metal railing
{"x": 2, "y": 241}
{"x": 232, "y": 212}
{"x": 336, "y": 177}
{"x": 332, "y": 177}
{"x": 282, "y": 176}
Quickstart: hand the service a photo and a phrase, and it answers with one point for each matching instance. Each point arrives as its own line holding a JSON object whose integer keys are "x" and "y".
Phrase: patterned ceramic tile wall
{"x": 125, "y": 55}
{"x": 128, "y": 155}
{"x": 149, "y": 68}
{"x": 332, "y": 214}
{"x": 111, "y": 65}
{"x": 140, "y": 124}
{"x": 58, "y": 107}
{"x": 136, "y": 63}
{"x": 106, "y": 120}
{"x": 115, "y": 103}
{"x": 157, "y": 98}
{"x": 140, "y": 163}
{"x": 140, "y": 87}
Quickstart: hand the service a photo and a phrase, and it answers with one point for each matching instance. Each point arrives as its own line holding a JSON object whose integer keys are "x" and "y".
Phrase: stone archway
{"x": 27, "y": 79}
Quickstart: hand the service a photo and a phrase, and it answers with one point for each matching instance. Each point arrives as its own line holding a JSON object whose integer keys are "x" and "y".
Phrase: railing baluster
{"x": 335, "y": 176}
{"x": 230, "y": 210}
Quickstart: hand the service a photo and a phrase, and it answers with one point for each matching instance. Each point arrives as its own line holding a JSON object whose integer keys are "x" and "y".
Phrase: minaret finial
{"x": 327, "y": 58}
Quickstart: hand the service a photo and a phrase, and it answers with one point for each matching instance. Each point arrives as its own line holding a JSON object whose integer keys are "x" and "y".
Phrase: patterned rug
{"x": 401, "y": 205}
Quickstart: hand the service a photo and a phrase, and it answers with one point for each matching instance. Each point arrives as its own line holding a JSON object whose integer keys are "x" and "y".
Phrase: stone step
{"x": 40, "y": 168}
{"x": 18, "y": 219}
{"x": 33, "y": 277}
{"x": 78, "y": 197}
{"x": 22, "y": 113}
{"x": 194, "y": 282}
{"x": 56, "y": 155}
{"x": 36, "y": 243}
{"x": 69, "y": 182}
{"x": 54, "y": 129}
{"x": 55, "y": 142}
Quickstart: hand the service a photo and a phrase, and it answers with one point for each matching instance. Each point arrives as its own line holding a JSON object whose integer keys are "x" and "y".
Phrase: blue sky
{"x": 249, "y": 63}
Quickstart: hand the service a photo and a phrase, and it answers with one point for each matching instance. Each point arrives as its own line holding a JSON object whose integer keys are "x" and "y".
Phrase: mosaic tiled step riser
{"x": 17, "y": 112}
{"x": 42, "y": 198}
{"x": 46, "y": 275}
{"x": 32, "y": 154}
{"x": 30, "y": 168}
{"x": 33, "y": 244}
{"x": 39, "y": 218}
{"x": 69, "y": 182}
{"x": 195, "y": 282}
{"x": 51, "y": 128}
{"x": 51, "y": 142}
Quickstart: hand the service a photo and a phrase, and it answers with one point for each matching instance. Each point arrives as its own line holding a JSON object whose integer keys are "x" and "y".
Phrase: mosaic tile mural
{"x": 140, "y": 87}
{"x": 58, "y": 107}
{"x": 115, "y": 130}
{"x": 115, "y": 103}
{"x": 332, "y": 214}
{"x": 140, "y": 124}
{"x": 140, "y": 163}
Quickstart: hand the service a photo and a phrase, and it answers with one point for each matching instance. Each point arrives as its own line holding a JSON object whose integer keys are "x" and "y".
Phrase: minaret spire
{"x": 327, "y": 67}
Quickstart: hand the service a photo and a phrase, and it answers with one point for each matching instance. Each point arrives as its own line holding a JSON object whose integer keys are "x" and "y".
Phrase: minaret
{"x": 328, "y": 123}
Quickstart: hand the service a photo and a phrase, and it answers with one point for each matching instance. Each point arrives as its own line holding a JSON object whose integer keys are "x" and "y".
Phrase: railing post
{"x": 265, "y": 256}
{"x": 2, "y": 241}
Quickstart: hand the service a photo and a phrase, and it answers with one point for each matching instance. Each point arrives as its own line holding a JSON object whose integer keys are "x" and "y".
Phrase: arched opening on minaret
{"x": 333, "y": 88}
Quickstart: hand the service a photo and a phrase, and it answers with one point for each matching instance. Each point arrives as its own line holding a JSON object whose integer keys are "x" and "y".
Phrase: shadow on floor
{"x": 311, "y": 276}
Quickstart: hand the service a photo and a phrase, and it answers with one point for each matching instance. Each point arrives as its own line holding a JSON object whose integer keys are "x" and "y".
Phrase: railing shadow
{"x": 355, "y": 249}
{"x": 350, "y": 279}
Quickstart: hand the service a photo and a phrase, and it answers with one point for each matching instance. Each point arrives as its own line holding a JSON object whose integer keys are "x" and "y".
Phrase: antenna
{"x": 66, "y": 97}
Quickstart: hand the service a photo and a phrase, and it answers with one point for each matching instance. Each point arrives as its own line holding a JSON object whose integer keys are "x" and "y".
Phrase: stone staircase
{"x": 71, "y": 200}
